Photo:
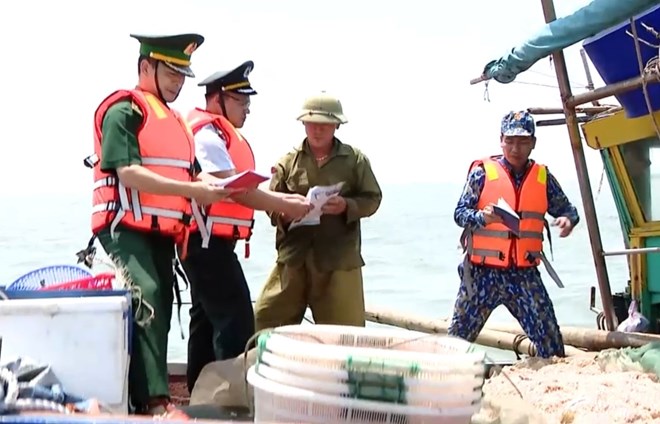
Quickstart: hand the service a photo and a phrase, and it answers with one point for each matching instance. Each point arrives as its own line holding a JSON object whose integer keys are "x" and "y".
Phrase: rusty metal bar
{"x": 560, "y": 121}
{"x": 587, "y": 73}
{"x": 592, "y": 300}
{"x": 583, "y": 175}
{"x": 610, "y": 90}
{"x": 589, "y": 110}
{"x": 628, "y": 252}
{"x": 479, "y": 79}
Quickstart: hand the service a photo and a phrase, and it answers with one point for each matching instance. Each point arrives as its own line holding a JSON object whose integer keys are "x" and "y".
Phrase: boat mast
{"x": 569, "y": 104}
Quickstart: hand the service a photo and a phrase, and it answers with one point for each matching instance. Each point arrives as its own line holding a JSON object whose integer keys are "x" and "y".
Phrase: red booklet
{"x": 245, "y": 179}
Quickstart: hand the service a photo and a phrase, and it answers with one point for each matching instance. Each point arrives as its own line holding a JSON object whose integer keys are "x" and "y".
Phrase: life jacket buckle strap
{"x": 548, "y": 267}
{"x": 91, "y": 161}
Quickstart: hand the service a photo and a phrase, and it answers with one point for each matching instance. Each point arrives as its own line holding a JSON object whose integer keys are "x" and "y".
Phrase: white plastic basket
{"x": 276, "y": 402}
{"x": 334, "y": 348}
{"x": 448, "y": 377}
{"x": 380, "y": 365}
{"x": 462, "y": 394}
{"x": 377, "y": 338}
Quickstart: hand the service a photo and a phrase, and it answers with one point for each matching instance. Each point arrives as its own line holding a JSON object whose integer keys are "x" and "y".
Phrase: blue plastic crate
{"x": 81, "y": 419}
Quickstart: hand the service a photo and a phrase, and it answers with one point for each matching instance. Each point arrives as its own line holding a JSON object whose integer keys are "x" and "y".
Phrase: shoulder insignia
{"x": 136, "y": 108}
{"x": 219, "y": 132}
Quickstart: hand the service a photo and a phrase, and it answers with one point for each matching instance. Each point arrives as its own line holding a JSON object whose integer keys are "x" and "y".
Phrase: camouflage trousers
{"x": 521, "y": 291}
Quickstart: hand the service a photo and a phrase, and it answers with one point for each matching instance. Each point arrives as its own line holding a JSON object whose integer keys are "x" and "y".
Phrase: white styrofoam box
{"x": 84, "y": 339}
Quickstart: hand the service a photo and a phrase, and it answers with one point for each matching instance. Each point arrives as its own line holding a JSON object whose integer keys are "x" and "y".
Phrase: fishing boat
{"x": 621, "y": 42}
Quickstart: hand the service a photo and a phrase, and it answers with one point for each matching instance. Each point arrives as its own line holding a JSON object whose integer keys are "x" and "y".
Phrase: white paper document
{"x": 509, "y": 217}
{"x": 317, "y": 196}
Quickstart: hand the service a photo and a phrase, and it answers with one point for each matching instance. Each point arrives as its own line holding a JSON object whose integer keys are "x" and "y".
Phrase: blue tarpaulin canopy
{"x": 564, "y": 32}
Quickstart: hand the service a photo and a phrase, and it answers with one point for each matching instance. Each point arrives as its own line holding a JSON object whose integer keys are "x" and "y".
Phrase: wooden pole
{"x": 493, "y": 334}
{"x": 487, "y": 337}
{"x": 583, "y": 176}
{"x": 610, "y": 90}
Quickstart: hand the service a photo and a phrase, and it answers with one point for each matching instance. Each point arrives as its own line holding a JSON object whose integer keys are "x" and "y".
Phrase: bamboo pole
{"x": 591, "y": 338}
{"x": 610, "y": 90}
{"x": 575, "y": 338}
{"x": 583, "y": 176}
{"x": 487, "y": 337}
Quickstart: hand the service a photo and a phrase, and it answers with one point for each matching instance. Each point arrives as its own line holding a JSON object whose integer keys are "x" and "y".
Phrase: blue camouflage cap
{"x": 518, "y": 124}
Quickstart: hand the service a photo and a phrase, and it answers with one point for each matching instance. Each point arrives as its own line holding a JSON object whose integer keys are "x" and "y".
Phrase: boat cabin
{"x": 630, "y": 150}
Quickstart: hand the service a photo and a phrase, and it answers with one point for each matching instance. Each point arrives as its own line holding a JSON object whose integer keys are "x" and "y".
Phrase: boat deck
{"x": 178, "y": 385}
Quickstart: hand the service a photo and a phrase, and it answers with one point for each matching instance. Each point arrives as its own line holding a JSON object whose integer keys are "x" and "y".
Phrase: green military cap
{"x": 173, "y": 50}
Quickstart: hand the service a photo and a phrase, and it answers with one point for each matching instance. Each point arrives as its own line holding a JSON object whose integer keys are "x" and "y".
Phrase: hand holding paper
{"x": 318, "y": 196}
{"x": 508, "y": 216}
{"x": 489, "y": 215}
{"x": 206, "y": 194}
{"x": 335, "y": 205}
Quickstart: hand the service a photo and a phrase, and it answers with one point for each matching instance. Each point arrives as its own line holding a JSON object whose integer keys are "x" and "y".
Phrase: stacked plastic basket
{"x": 337, "y": 374}
{"x": 62, "y": 277}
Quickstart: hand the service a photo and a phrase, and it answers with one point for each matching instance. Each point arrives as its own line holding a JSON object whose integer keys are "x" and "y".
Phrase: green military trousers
{"x": 148, "y": 263}
{"x": 335, "y": 297}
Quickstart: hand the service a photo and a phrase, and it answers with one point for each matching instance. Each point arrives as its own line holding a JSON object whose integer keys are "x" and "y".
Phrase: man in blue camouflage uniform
{"x": 519, "y": 289}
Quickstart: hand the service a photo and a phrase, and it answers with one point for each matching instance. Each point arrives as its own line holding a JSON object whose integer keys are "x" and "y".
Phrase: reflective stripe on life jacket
{"x": 495, "y": 245}
{"x": 167, "y": 148}
{"x": 225, "y": 218}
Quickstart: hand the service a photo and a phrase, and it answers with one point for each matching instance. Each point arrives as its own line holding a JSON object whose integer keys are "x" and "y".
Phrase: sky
{"x": 401, "y": 70}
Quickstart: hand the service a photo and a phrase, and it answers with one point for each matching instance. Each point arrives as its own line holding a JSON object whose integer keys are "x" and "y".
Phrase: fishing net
{"x": 642, "y": 359}
{"x": 507, "y": 410}
{"x": 613, "y": 386}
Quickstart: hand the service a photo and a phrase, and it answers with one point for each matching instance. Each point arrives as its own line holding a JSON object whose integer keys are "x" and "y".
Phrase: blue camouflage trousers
{"x": 521, "y": 291}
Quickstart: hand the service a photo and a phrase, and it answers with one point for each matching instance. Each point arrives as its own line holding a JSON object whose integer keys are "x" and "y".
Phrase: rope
{"x": 517, "y": 341}
{"x": 652, "y": 67}
{"x": 600, "y": 321}
{"x": 122, "y": 275}
{"x": 499, "y": 369}
{"x": 486, "y": 96}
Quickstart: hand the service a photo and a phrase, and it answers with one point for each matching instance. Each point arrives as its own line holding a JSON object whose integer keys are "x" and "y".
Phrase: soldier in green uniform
{"x": 320, "y": 266}
{"x": 122, "y": 138}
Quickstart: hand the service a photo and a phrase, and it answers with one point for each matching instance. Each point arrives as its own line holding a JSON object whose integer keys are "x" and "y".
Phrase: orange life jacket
{"x": 225, "y": 218}
{"x": 167, "y": 148}
{"x": 495, "y": 245}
